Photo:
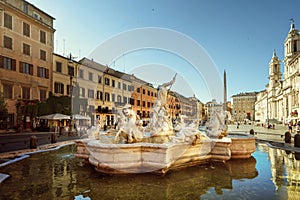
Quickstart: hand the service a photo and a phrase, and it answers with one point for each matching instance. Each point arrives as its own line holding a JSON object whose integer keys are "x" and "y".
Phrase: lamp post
{"x": 267, "y": 109}
{"x": 71, "y": 104}
{"x": 71, "y": 73}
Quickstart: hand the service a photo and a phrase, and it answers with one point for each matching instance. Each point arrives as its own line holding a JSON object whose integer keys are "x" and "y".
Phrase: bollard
{"x": 53, "y": 138}
{"x": 33, "y": 142}
{"x": 297, "y": 140}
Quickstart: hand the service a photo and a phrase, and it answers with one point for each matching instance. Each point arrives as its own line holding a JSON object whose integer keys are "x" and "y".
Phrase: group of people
{"x": 288, "y": 134}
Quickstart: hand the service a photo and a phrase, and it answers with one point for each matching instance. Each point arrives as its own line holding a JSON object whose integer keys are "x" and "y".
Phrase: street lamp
{"x": 71, "y": 104}
{"x": 71, "y": 73}
{"x": 267, "y": 108}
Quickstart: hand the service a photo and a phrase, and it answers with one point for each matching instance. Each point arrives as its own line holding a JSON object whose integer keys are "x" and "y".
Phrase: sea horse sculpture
{"x": 216, "y": 127}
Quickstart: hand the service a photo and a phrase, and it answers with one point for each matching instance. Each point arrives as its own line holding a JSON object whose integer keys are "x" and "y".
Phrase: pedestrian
{"x": 298, "y": 126}
{"x": 290, "y": 127}
{"x": 287, "y": 137}
{"x": 297, "y": 140}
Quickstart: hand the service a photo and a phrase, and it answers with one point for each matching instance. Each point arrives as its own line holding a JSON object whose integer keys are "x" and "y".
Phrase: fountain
{"x": 133, "y": 150}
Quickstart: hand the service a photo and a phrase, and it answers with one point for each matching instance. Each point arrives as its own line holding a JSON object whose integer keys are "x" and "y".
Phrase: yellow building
{"x": 109, "y": 91}
{"x": 244, "y": 106}
{"x": 26, "y": 48}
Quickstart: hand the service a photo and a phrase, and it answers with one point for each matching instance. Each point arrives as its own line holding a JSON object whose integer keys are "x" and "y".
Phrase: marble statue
{"x": 161, "y": 123}
{"x": 188, "y": 133}
{"x": 216, "y": 127}
{"x": 93, "y": 132}
{"x": 128, "y": 129}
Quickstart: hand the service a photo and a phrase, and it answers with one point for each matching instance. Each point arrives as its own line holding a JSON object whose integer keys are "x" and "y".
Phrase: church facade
{"x": 280, "y": 101}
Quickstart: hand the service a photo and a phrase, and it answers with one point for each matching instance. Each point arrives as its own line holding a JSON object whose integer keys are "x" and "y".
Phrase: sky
{"x": 238, "y": 36}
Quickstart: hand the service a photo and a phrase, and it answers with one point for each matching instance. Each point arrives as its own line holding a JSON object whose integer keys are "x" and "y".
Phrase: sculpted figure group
{"x": 130, "y": 127}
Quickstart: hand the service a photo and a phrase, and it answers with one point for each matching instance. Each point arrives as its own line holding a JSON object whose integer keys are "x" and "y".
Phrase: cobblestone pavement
{"x": 262, "y": 133}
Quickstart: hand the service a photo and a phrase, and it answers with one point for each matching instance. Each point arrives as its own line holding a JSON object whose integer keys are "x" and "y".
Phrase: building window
{"x": 138, "y": 90}
{"x": 130, "y": 88}
{"x": 43, "y": 72}
{"x": 43, "y": 37}
{"x": 8, "y": 63}
{"x": 7, "y": 90}
{"x": 42, "y": 55}
{"x": 25, "y": 8}
{"x": 119, "y": 99}
{"x": 138, "y": 102}
{"x": 69, "y": 90}
{"x": 7, "y": 41}
{"x": 25, "y": 93}
{"x": 124, "y": 86}
{"x": 26, "y": 49}
{"x": 131, "y": 101}
{"x": 113, "y": 98}
{"x": 82, "y": 92}
{"x": 144, "y": 104}
{"x": 99, "y": 95}
{"x": 107, "y": 96}
{"x": 148, "y": 93}
{"x": 124, "y": 99}
{"x": 43, "y": 95}
{"x": 148, "y": 104}
{"x": 119, "y": 85}
{"x": 106, "y": 81}
{"x": 90, "y": 94}
{"x": 99, "y": 79}
{"x": 26, "y": 68}
{"x": 7, "y": 21}
{"x": 58, "y": 66}
{"x": 113, "y": 83}
{"x": 91, "y": 108}
{"x": 90, "y": 76}
{"x": 144, "y": 91}
{"x": 70, "y": 70}
{"x": 59, "y": 88}
{"x": 26, "y": 29}
{"x": 80, "y": 74}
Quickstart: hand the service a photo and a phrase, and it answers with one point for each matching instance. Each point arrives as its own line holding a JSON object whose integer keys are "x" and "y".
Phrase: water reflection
{"x": 270, "y": 173}
{"x": 285, "y": 168}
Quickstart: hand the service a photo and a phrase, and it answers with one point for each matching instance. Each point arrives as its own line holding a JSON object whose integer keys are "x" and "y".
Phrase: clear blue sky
{"x": 239, "y": 36}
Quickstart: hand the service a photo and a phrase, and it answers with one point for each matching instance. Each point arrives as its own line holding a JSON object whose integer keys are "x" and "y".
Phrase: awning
{"x": 56, "y": 116}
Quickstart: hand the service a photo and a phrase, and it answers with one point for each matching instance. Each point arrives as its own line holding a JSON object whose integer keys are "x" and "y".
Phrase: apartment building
{"x": 111, "y": 90}
{"x": 26, "y": 49}
{"x": 244, "y": 106}
{"x": 144, "y": 98}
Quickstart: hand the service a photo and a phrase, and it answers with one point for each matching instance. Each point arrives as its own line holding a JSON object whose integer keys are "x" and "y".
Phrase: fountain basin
{"x": 242, "y": 145}
{"x": 151, "y": 157}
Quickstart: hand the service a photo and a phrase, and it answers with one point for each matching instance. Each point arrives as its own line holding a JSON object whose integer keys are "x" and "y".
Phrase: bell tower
{"x": 274, "y": 72}
{"x": 291, "y": 43}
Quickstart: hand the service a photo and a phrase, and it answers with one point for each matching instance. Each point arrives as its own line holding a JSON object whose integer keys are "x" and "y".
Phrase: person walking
{"x": 290, "y": 127}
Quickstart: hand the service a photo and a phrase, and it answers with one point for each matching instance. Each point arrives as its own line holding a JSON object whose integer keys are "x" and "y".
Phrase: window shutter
{"x": 1, "y": 62}
{"x": 47, "y": 73}
{"x": 38, "y": 74}
{"x": 21, "y": 67}
{"x": 13, "y": 64}
{"x": 63, "y": 87}
{"x": 31, "y": 69}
